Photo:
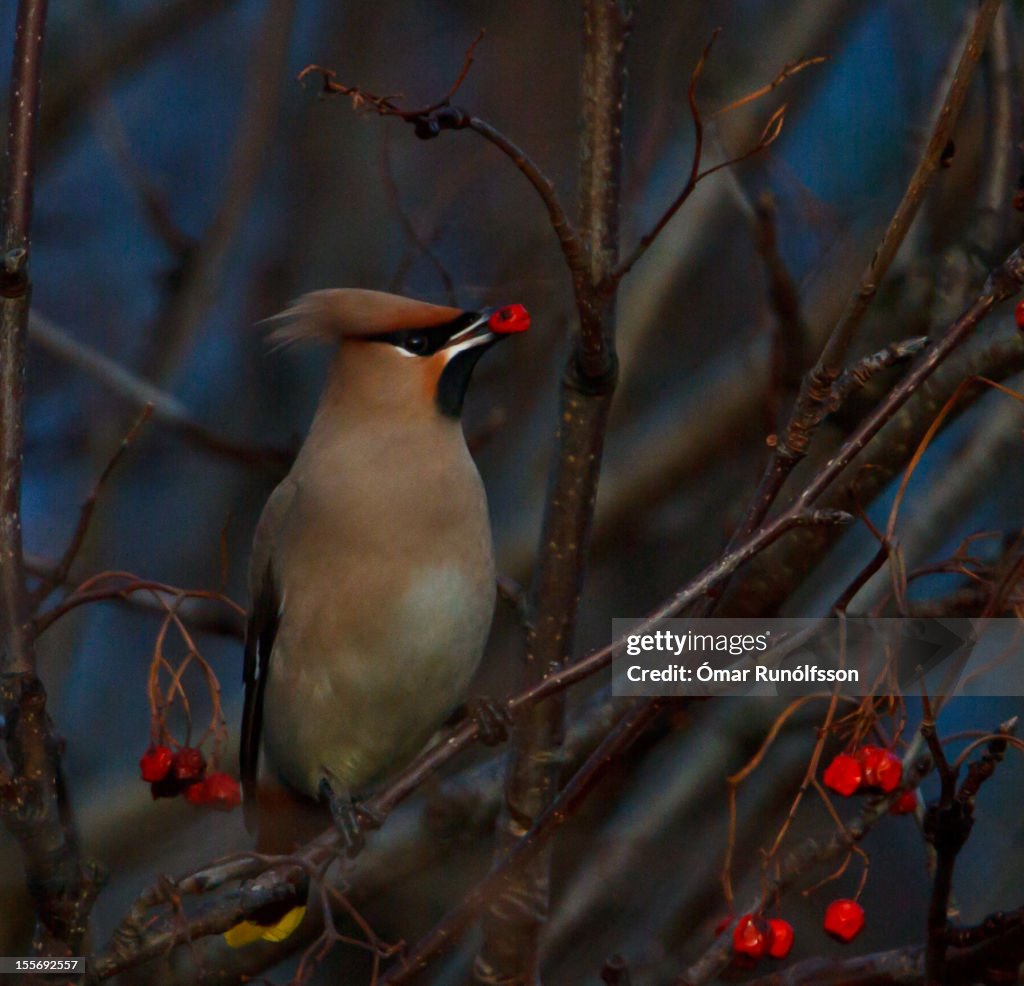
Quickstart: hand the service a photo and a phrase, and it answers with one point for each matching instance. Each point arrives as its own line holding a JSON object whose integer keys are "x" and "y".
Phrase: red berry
{"x": 1018, "y": 314}
{"x": 196, "y": 793}
{"x": 780, "y": 938}
{"x": 222, "y": 791}
{"x": 843, "y": 774}
{"x": 155, "y": 763}
{"x": 881, "y": 767}
{"x": 844, "y": 919}
{"x": 189, "y": 764}
{"x": 905, "y": 804}
{"x": 511, "y": 318}
{"x": 750, "y": 936}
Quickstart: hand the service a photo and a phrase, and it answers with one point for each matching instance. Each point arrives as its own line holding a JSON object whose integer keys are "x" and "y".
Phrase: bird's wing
{"x": 260, "y": 632}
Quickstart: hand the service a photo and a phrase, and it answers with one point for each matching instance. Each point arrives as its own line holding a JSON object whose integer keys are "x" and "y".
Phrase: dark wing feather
{"x": 259, "y": 644}
{"x": 259, "y": 636}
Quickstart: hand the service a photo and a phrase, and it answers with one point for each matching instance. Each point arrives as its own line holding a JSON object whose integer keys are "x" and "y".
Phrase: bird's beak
{"x": 492, "y": 325}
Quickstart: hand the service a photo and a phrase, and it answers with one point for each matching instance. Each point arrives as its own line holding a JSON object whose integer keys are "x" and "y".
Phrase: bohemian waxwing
{"x": 372, "y": 575}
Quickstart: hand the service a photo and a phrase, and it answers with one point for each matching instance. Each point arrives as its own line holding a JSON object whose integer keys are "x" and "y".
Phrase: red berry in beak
{"x": 844, "y": 919}
{"x": 780, "y": 938}
{"x": 511, "y": 318}
{"x": 155, "y": 763}
{"x": 844, "y": 775}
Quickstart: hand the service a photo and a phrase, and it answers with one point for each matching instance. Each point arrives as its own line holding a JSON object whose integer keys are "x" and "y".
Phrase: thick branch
{"x": 513, "y": 923}
{"x": 15, "y": 292}
{"x": 455, "y": 924}
{"x": 33, "y": 804}
{"x": 148, "y": 939}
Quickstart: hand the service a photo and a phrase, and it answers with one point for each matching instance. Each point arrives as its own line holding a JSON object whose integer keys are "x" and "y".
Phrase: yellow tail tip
{"x": 246, "y": 932}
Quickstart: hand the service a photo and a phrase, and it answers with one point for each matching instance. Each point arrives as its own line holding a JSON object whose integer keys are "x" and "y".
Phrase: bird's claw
{"x": 351, "y": 819}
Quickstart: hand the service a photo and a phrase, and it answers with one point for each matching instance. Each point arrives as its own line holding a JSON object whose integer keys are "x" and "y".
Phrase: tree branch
{"x": 33, "y": 803}
{"x": 202, "y": 267}
{"x": 139, "y": 938}
{"x": 455, "y": 924}
{"x": 168, "y": 411}
{"x": 512, "y": 927}
{"x": 817, "y": 385}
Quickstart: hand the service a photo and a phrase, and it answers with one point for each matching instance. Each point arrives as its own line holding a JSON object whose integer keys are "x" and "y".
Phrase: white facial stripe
{"x": 452, "y": 351}
{"x": 468, "y": 329}
{"x": 453, "y": 347}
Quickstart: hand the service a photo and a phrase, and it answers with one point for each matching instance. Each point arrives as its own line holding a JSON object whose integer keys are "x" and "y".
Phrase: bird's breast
{"x": 382, "y": 625}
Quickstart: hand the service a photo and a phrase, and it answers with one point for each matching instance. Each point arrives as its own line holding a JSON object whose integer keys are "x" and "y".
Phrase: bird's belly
{"x": 362, "y": 708}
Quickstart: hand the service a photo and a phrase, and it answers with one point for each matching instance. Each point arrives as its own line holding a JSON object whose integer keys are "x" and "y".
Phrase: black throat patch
{"x": 454, "y": 382}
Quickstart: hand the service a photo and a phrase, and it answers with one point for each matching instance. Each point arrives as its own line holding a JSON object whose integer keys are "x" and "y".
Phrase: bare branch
{"x": 202, "y": 267}
{"x": 512, "y": 926}
{"x": 854, "y": 379}
{"x": 60, "y": 572}
{"x": 817, "y": 386}
{"x": 452, "y": 926}
{"x": 386, "y": 105}
{"x": 769, "y": 134}
{"x": 787, "y": 72}
{"x": 168, "y": 411}
{"x": 15, "y": 291}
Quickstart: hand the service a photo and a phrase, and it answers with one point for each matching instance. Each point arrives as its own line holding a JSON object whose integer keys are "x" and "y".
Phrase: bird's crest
{"x": 338, "y": 313}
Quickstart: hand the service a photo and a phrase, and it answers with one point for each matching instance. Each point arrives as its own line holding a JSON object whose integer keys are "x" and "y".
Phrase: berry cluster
{"x": 755, "y": 937}
{"x": 869, "y": 767}
{"x": 171, "y": 773}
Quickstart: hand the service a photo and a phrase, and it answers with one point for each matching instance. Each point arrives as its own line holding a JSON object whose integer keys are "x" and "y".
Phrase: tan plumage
{"x": 372, "y": 575}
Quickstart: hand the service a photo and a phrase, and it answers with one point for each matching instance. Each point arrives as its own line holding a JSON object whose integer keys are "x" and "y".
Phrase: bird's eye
{"x": 417, "y": 343}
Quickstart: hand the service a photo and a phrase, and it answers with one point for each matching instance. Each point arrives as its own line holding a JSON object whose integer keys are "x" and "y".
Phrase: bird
{"x": 372, "y": 575}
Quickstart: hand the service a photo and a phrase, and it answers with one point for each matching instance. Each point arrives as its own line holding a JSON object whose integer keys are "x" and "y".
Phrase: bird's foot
{"x": 492, "y": 717}
{"x": 351, "y": 819}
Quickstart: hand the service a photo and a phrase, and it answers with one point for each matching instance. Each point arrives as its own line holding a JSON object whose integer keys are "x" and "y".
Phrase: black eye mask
{"x": 426, "y": 342}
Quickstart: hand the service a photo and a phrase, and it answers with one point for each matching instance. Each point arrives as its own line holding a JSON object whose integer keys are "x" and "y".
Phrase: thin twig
{"x": 817, "y": 386}
{"x": 808, "y": 856}
{"x": 787, "y": 72}
{"x": 789, "y": 343}
{"x": 420, "y": 244}
{"x": 201, "y": 272}
{"x": 59, "y": 574}
{"x": 769, "y": 134}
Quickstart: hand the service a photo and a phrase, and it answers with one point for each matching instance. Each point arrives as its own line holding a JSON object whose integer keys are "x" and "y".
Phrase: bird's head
{"x": 398, "y": 352}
